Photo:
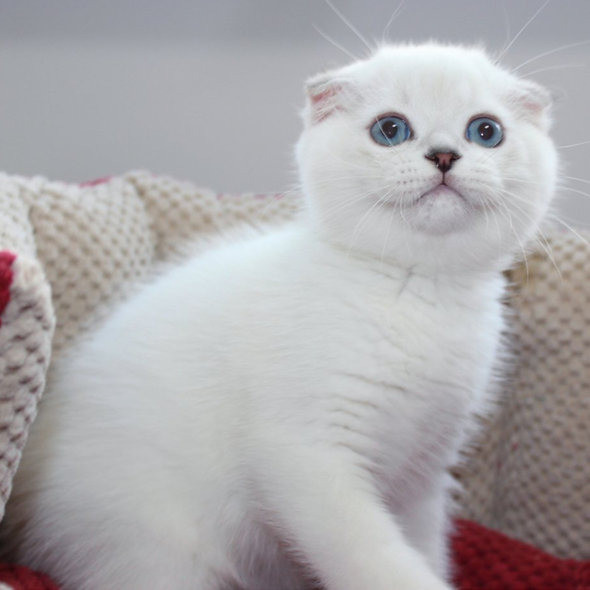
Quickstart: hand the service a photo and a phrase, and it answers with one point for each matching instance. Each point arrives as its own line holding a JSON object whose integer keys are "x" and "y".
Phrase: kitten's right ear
{"x": 326, "y": 94}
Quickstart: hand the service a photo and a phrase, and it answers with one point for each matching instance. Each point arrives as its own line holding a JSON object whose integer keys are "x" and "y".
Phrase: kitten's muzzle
{"x": 443, "y": 159}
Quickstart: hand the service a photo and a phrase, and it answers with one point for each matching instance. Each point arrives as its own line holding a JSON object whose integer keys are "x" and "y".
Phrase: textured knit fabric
{"x": 527, "y": 475}
{"x": 26, "y": 327}
{"x": 14, "y": 577}
{"x": 488, "y": 560}
{"x": 530, "y": 473}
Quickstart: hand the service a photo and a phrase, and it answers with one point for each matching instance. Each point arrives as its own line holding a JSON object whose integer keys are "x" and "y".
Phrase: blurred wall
{"x": 210, "y": 90}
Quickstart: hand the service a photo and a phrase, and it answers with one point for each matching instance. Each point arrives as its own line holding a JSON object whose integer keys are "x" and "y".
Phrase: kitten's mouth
{"x": 440, "y": 210}
{"x": 440, "y": 192}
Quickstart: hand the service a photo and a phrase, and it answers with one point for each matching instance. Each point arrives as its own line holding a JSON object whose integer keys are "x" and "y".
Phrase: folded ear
{"x": 533, "y": 101}
{"x": 326, "y": 93}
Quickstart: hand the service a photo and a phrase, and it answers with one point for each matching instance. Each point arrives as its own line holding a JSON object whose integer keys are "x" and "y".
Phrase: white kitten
{"x": 284, "y": 410}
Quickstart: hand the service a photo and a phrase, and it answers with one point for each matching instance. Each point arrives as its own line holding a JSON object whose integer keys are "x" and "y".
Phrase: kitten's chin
{"x": 440, "y": 210}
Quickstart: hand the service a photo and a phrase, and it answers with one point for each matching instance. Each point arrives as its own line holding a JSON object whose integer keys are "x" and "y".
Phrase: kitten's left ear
{"x": 326, "y": 94}
{"x": 534, "y": 102}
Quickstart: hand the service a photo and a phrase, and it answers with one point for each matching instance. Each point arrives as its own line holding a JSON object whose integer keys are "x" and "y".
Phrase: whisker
{"x": 349, "y": 24}
{"x": 391, "y": 20}
{"x": 335, "y": 43}
{"x": 386, "y": 241}
{"x": 550, "y": 52}
{"x": 356, "y": 198}
{"x": 506, "y": 23}
{"x": 401, "y": 213}
{"x": 343, "y": 205}
{"x": 560, "y": 186}
{"x": 522, "y": 30}
{"x": 574, "y": 190}
{"x": 486, "y": 211}
{"x": 540, "y": 235}
{"x": 584, "y": 180}
{"x": 549, "y": 251}
{"x": 506, "y": 214}
{"x": 508, "y": 217}
{"x": 570, "y": 228}
{"x": 553, "y": 216}
{"x": 378, "y": 204}
{"x": 556, "y": 67}
{"x": 572, "y": 145}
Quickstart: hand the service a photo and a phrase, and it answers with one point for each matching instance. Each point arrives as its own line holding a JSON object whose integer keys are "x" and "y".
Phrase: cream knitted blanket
{"x": 90, "y": 244}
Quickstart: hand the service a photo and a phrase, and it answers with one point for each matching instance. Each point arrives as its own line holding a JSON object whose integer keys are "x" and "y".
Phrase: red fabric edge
{"x": 489, "y": 560}
{"x": 6, "y": 275}
{"x": 95, "y": 182}
{"x": 22, "y": 578}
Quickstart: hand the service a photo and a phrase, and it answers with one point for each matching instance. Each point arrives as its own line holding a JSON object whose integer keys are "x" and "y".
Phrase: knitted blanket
{"x": 70, "y": 252}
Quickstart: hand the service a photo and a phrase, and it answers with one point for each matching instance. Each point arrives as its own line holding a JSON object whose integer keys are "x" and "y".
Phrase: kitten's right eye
{"x": 390, "y": 130}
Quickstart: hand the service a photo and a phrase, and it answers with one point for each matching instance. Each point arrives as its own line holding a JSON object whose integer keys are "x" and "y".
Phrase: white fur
{"x": 284, "y": 410}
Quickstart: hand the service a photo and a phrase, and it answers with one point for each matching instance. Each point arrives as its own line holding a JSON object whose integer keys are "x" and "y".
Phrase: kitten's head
{"x": 431, "y": 155}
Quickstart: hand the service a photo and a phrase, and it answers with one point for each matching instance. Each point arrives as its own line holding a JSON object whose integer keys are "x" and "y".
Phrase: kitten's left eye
{"x": 485, "y": 131}
{"x": 390, "y": 130}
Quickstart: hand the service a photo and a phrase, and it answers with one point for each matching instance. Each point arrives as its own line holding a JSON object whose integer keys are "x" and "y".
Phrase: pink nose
{"x": 442, "y": 160}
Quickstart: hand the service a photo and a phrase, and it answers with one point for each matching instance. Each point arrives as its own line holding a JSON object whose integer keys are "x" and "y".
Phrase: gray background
{"x": 210, "y": 90}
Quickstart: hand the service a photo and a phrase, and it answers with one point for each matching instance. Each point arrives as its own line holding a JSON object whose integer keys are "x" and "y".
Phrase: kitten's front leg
{"x": 330, "y": 513}
{"x": 425, "y": 520}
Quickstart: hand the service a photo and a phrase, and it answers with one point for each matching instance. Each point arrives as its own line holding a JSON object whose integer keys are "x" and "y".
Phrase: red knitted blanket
{"x": 488, "y": 560}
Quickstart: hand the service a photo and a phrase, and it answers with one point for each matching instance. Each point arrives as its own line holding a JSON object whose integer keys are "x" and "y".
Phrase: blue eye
{"x": 485, "y": 131}
{"x": 390, "y": 130}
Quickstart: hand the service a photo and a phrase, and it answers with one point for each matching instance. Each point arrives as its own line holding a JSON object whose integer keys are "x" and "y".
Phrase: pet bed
{"x": 69, "y": 253}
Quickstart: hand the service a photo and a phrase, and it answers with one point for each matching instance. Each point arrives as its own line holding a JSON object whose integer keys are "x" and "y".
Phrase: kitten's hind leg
{"x": 120, "y": 556}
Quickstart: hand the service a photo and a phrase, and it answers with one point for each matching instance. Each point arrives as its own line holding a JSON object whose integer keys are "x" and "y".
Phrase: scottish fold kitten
{"x": 281, "y": 412}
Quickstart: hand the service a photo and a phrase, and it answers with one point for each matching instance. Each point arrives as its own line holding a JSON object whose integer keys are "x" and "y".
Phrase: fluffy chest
{"x": 405, "y": 385}
{"x": 386, "y": 365}
{"x": 425, "y": 341}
